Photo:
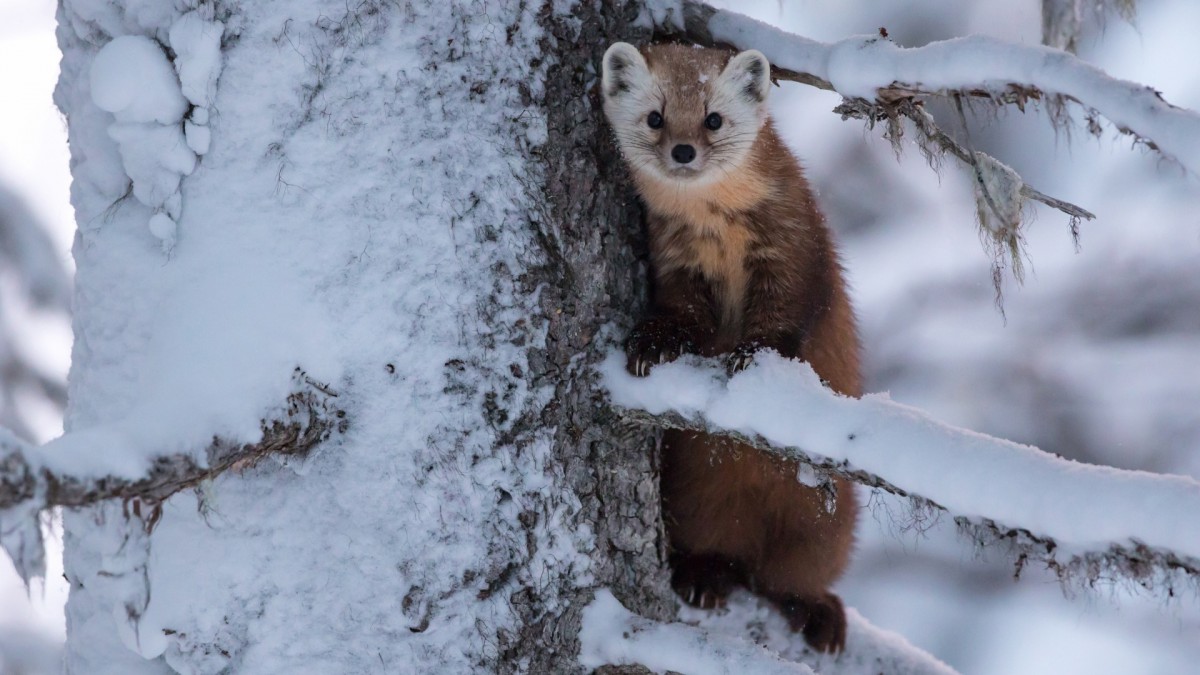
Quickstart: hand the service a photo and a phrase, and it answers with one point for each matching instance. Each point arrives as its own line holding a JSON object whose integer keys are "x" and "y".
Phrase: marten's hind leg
{"x": 821, "y": 619}
{"x": 705, "y": 580}
{"x": 808, "y": 549}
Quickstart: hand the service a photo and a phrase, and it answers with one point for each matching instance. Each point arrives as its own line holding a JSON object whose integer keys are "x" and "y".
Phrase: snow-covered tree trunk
{"x": 414, "y": 203}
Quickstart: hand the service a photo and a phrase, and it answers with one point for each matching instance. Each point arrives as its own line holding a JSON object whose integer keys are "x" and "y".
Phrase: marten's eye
{"x": 713, "y": 121}
{"x": 654, "y": 120}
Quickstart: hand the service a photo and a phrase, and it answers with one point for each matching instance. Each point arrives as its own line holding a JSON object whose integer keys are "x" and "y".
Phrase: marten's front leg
{"x": 783, "y": 303}
{"x": 680, "y": 322}
{"x": 705, "y": 580}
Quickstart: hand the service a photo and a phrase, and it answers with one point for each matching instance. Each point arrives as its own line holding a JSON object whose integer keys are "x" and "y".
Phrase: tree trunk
{"x": 418, "y": 204}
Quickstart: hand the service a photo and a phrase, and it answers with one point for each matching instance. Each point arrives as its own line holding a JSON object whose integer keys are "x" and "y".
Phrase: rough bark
{"x": 593, "y": 282}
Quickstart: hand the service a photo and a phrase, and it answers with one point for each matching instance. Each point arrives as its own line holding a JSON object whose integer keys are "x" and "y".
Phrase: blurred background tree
{"x": 33, "y": 279}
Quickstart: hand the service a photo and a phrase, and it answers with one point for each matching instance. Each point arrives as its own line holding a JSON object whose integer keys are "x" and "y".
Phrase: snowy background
{"x": 34, "y": 192}
{"x": 1097, "y": 360}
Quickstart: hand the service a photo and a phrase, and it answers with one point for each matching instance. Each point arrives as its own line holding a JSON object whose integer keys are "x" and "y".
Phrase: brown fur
{"x": 744, "y": 264}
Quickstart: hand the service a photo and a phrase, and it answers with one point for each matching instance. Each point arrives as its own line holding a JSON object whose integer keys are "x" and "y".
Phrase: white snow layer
{"x": 132, "y": 79}
{"x": 1083, "y": 507}
{"x": 338, "y": 222}
{"x": 197, "y": 46}
{"x": 862, "y": 65}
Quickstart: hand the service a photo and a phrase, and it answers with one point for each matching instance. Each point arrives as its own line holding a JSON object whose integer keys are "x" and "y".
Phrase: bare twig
{"x": 931, "y": 133}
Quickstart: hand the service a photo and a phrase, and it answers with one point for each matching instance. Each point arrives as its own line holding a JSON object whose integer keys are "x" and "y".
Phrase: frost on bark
{"x": 593, "y": 281}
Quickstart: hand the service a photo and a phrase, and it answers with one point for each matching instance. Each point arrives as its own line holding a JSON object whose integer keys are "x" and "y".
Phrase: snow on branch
{"x": 875, "y": 69}
{"x": 614, "y": 640}
{"x": 26, "y": 488}
{"x": 1084, "y": 522}
{"x": 881, "y": 81}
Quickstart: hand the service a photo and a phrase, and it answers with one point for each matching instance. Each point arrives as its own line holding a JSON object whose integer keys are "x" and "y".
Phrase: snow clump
{"x": 148, "y": 96}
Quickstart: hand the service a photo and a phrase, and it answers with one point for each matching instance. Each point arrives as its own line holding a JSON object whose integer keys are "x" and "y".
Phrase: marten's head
{"x": 685, "y": 115}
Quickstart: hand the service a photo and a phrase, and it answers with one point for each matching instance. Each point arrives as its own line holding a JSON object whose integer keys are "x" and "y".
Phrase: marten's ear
{"x": 624, "y": 66}
{"x": 749, "y": 73}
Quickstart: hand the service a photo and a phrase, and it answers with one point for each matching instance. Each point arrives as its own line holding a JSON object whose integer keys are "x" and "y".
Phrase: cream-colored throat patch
{"x": 720, "y": 256}
{"x": 706, "y": 207}
{"x": 719, "y": 241}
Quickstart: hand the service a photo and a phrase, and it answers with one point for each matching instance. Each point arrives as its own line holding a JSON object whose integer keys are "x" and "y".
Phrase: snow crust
{"x": 862, "y": 65}
{"x": 1082, "y": 506}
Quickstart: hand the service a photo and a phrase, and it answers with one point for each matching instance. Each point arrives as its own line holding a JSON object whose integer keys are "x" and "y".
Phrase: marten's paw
{"x": 740, "y": 358}
{"x": 653, "y": 342}
{"x": 821, "y": 619}
{"x": 704, "y": 581}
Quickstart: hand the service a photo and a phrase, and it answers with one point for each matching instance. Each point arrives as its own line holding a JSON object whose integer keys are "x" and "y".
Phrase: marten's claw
{"x": 651, "y": 344}
{"x": 704, "y": 580}
{"x": 702, "y": 597}
{"x": 740, "y": 359}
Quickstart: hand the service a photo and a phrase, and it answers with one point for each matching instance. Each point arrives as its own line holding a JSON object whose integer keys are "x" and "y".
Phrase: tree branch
{"x": 616, "y": 641}
{"x": 881, "y": 81}
{"x": 25, "y": 489}
{"x": 1085, "y": 523}
{"x": 873, "y": 68}
{"x": 932, "y": 136}
{"x": 613, "y": 636}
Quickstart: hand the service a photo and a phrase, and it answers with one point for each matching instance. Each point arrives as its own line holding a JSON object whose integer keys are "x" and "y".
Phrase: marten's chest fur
{"x": 717, "y": 255}
{"x": 715, "y": 235}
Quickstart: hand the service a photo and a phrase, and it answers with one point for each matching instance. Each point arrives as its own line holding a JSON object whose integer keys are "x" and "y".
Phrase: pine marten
{"x": 742, "y": 260}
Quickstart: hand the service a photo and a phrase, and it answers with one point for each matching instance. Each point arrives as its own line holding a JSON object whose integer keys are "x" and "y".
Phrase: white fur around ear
{"x": 750, "y": 73}
{"x": 623, "y": 65}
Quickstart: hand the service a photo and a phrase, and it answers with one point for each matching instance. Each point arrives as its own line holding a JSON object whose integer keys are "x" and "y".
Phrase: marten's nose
{"x": 683, "y": 153}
